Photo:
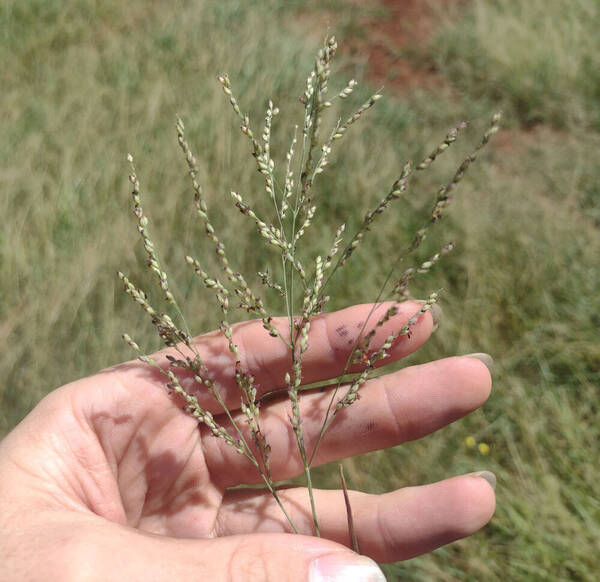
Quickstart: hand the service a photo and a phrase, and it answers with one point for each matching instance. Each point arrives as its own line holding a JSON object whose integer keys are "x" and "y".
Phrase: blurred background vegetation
{"x": 87, "y": 81}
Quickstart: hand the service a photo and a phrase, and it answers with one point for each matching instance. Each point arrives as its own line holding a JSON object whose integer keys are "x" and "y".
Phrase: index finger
{"x": 331, "y": 340}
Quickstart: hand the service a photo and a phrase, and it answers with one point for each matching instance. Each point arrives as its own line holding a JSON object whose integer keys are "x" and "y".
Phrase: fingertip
{"x": 481, "y": 491}
{"x": 488, "y": 476}
{"x": 477, "y": 378}
{"x": 473, "y": 501}
{"x": 484, "y": 358}
{"x": 416, "y": 520}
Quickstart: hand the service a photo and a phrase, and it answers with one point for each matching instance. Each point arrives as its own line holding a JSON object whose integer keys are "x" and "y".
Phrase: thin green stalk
{"x": 273, "y": 492}
{"x": 250, "y": 456}
{"x": 312, "y": 497}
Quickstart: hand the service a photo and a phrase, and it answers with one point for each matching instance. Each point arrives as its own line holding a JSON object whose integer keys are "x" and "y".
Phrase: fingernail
{"x": 488, "y": 476}
{"x": 345, "y": 566}
{"x": 485, "y": 358}
{"x": 436, "y": 314}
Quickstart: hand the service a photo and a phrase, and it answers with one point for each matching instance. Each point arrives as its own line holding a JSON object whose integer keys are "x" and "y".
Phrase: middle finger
{"x": 392, "y": 409}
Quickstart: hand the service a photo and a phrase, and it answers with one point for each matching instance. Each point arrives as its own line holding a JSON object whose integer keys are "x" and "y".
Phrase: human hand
{"x": 107, "y": 479}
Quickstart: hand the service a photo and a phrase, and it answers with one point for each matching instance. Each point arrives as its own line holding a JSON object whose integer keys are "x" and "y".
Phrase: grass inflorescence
{"x": 301, "y": 281}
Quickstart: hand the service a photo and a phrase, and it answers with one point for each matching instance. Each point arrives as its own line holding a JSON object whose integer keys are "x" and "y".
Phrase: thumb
{"x": 132, "y": 555}
{"x": 285, "y": 557}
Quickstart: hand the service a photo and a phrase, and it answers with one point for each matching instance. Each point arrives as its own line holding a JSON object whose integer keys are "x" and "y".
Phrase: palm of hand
{"x": 114, "y": 452}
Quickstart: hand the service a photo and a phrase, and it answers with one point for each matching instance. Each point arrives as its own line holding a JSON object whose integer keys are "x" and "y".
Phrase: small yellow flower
{"x": 483, "y": 448}
{"x": 470, "y": 442}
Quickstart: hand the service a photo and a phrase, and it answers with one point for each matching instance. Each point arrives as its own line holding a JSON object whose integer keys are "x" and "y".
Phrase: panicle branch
{"x": 444, "y": 194}
{"x": 340, "y": 130}
{"x": 400, "y": 291}
{"x": 315, "y": 104}
{"x": 169, "y": 333}
{"x": 245, "y": 127}
{"x": 271, "y": 234}
{"x": 383, "y": 352}
{"x": 348, "y": 89}
{"x": 142, "y": 219}
{"x": 192, "y": 405}
{"x": 265, "y": 163}
{"x": 288, "y": 187}
{"x": 248, "y": 299}
{"x": 440, "y": 149}
{"x": 398, "y": 188}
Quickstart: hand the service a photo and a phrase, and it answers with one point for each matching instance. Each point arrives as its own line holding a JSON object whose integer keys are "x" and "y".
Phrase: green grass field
{"x": 85, "y": 82}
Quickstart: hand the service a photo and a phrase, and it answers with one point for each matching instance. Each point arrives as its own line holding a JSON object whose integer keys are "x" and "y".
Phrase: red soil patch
{"x": 398, "y": 45}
